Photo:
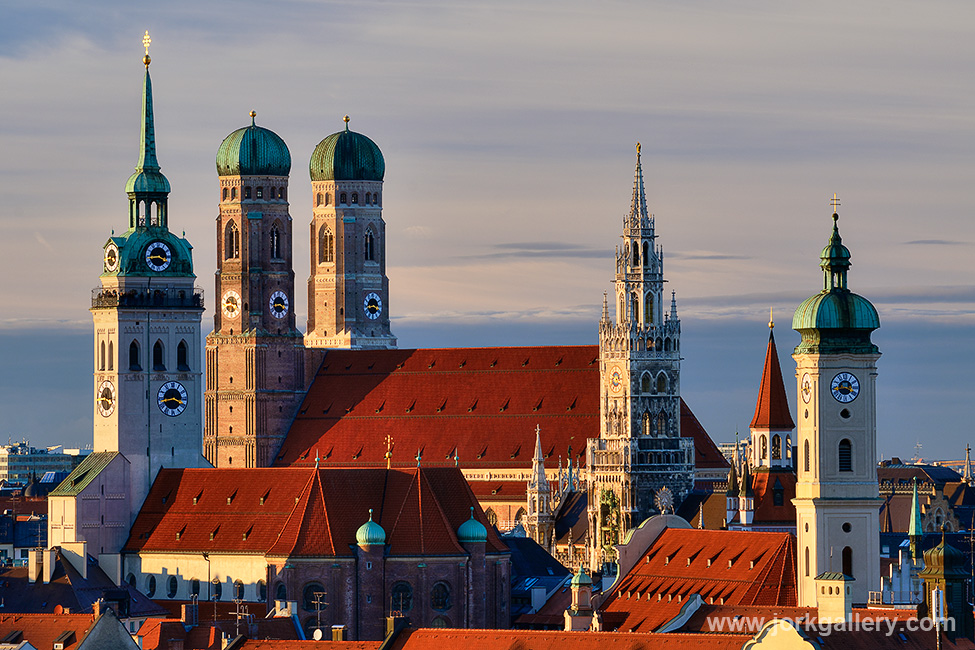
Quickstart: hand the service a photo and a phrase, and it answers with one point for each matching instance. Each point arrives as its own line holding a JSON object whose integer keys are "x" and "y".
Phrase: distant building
{"x": 19, "y": 462}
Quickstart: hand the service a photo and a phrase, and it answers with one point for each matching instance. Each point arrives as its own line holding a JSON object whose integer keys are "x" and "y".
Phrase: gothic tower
{"x": 255, "y": 354}
{"x": 837, "y": 503}
{"x": 148, "y": 366}
{"x": 539, "y": 518}
{"x": 639, "y": 450}
{"x": 348, "y": 292}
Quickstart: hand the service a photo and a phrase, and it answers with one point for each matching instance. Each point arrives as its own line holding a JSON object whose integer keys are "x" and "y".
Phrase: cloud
{"x": 936, "y": 242}
{"x": 536, "y": 250}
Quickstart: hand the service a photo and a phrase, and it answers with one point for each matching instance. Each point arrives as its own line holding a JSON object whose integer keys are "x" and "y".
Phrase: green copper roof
{"x": 147, "y": 179}
{"x": 132, "y": 247}
{"x": 347, "y": 156}
{"x": 84, "y": 474}
{"x": 472, "y": 531}
{"x": 835, "y": 320}
{"x": 253, "y": 151}
{"x": 581, "y": 578}
{"x": 370, "y": 533}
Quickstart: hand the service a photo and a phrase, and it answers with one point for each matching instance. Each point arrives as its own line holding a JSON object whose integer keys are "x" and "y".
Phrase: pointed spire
{"x": 605, "y": 317}
{"x": 733, "y": 488}
{"x": 772, "y": 408}
{"x": 967, "y": 475}
{"x": 147, "y": 182}
{"x": 914, "y": 530}
{"x": 638, "y": 204}
{"x": 147, "y": 148}
{"x": 746, "y": 482}
{"x": 538, "y": 480}
{"x": 673, "y": 304}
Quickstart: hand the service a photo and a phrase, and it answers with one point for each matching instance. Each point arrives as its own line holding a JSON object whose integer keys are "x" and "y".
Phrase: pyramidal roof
{"x": 772, "y": 408}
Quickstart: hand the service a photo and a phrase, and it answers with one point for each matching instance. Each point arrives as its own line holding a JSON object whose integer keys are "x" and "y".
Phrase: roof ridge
{"x": 302, "y": 498}
{"x": 443, "y": 515}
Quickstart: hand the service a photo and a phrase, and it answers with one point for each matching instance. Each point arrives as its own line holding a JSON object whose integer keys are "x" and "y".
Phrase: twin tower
{"x": 257, "y": 362}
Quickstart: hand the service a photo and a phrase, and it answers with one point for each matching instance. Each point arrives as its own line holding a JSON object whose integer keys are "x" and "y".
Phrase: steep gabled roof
{"x": 772, "y": 408}
{"x": 84, "y": 474}
{"x": 40, "y": 630}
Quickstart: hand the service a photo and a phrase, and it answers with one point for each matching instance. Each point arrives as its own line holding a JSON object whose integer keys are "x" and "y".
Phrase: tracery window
{"x": 440, "y": 597}
{"x": 401, "y": 597}
{"x": 231, "y": 241}
{"x": 326, "y": 245}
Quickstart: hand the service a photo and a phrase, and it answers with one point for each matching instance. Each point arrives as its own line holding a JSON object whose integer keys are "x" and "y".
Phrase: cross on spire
{"x": 834, "y": 203}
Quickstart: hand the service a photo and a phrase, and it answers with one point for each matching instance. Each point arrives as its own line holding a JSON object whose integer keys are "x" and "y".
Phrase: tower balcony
{"x": 165, "y": 298}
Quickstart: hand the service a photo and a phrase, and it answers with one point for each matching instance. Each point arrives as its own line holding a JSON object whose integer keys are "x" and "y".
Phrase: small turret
{"x": 472, "y": 531}
{"x": 370, "y": 533}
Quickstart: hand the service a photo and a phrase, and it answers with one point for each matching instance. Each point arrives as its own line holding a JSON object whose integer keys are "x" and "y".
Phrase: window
{"x": 848, "y": 561}
{"x": 319, "y": 199}
{"x": 355, "y": 198}
{"x": 845, "y": 456}
{"x": 440, "y": 597}
{"x": 275, "y": 241}
{"x": 101, "y": 362}
{"x": 368, "y": 198}
{"x": 195, "y": 587}
{"x": 492, "y": 516}
{"x": 763, "y": 447}
{"x": 661, "y": 383}
{"x": 226, "y": 193}
{"x": 261, "y": 591}
{"x": 646, "y": 424}
{"x": 326, "y": 245}
{"x": 370, "y": 246}
{"x": 776, "y": 447}
{"x": 313, "y": 597}
{"x": 281, "y": 592}
{"x": 260, "y": 192}
{"x": 328, "y": 198}
{"x": 646, "y": 252}
{"x": 182, "y": 354}
{"x": 247, "y": 192}
{"x": 648, "y": 308}
{"x": 645, "y": 383}
{"x": 158, "y": 358}
{"x": 401, "y": 597}
{"x": 281, "y": 193}
{"x": 778, "y": 493}
{"x": 173, "y": 586}
{"x": 151, "y": 586}
{"x": 111, "y": 355}
{"x": 233, "y": 193}
{"x": 343, "y": 198}
{"x": 217, "y": 589}
{"x": 231, "y": 242}
{"x": 238, "y": 584}
{"x": 661, "y": 424}
{"x": 440, "y": 621}
{"x": 807, "y": 561}
{"x": 805, "y": 455}
{"x": 131, "y": 580}
{"x": 636, "y": 254}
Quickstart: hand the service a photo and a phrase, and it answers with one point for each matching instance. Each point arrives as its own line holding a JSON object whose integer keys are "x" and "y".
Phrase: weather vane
{"x": 834, "y": 202}
{"x": 638, "y": 148}
{"x": 771, "y": 323}
{"x": 146, "y": 41}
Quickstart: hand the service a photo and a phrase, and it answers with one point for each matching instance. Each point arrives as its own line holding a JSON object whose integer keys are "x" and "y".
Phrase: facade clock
{"x": 231, "y": 304}
{"x": 171, "y": 398}
{"x": 111, "y": 258}
{"x": 806, "y": 388}
{"x": 105, "y": 398}
{"x": 615, "y": 379}
{"x": 279, "y": 304}
{"x": 845, "y": 387}
{"x": 373, "y": 305}
{"x": 158, "y": 256}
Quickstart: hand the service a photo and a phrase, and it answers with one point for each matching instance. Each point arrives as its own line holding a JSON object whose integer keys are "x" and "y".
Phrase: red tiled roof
{"x": 763, "y": 486}
{"x": 772, "y": 409}
{"x": 454, "y": 639}
{"x": 480, "y": 404}
{"x": 303, "y": 511}
{"x": 156, "y": 633}
{"x": 266, "y": 644}
{"x": 682, "y": 562}
{"x": 40, "y": 630}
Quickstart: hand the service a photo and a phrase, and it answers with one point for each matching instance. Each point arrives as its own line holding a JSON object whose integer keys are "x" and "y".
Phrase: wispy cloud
{"x": 537, "y": 250}
{"x": 937, "y": 242}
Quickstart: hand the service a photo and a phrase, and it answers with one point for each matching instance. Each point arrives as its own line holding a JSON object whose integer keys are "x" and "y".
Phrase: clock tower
{"x": 837, "y": 502}
{"x": 255, "y": 355}
{"x": 348, "y": 291}
{"x": 146, "y": 312}
{"x": 639, "y": 464}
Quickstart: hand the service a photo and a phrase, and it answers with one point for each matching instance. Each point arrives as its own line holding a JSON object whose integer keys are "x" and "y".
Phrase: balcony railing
{"x": 167, "y": 298}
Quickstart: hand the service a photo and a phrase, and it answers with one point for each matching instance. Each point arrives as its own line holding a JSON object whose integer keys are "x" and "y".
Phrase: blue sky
{"x": 509, "y": 131}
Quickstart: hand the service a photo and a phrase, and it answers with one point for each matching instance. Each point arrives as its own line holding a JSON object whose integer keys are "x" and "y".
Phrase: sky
{"x": 508, "y": 130}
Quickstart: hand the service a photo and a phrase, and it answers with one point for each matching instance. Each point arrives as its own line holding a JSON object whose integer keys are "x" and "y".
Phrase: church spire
{"x": 639, "y": 216}
{"x": 772, "y": 408}
{"x": 538, "y": 480}
{"x": 914, "y": 530}
{"x": 967, "y": 474}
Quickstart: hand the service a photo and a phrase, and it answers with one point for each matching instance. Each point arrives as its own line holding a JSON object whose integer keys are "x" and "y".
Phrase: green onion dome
{"x": 946, "y": 560}
{"x": 370, "y": 533}
{"x": 581, "y": 578}
{"x": 253, "y": 151}
{"x": 472, "y": 531}
{"x": 347, "y": 156}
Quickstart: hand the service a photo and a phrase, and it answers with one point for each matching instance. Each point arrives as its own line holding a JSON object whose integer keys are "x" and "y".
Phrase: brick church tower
{"x": 255, "y": 355}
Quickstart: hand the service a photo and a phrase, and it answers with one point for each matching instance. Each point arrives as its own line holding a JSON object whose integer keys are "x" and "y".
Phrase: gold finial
{"x": 389, "y": 451}
{"x": 834, "y": 203}
{"x": 253, "y": 115}
{"x": 146, "y": 42}
{"x": 346, "y": 120}
{"x": 771, "y": 323}
{"x": 638, "y": 148}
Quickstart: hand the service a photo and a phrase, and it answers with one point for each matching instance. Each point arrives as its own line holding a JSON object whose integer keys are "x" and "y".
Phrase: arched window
{"x": 182, "y": 357}
{"x": 226, "y": 193}
{"x": 440, "y": 597}
{"x": 275, "y": 241}
{"x": 667, "y": 345}
{"x": 805, "y": 455}
{"x": 343, "y": 198}
{"x": 319, "y": 198}
{"x": 131, "y": 580}
{"x": 195, "y": 587}
{"x": 776, "y": 447}
{"x": 648, "y": 308}
{"x": 217, "y": 591}
{"x": 231, "y": 241}
{"x": 172, "y": 587}
{"x": 239, "y": 584}
{"x": 778, "y": 493}
{"x": 151, "y": 586}
{"x": 646, "y": 252}
{"x": 634, "y": 309}
{"x": 313, "y": 597}
{"x": 261, "y": 590}
{"x": 440, "y": 621}
{"x": 492, "y": 516}
{"x": 101, "y": 362}
{"x": 281, "y": 592}
{"x": 370, "y": 246}
{"x": 845, "y": 453}
{"x": 788, "y": 447}
{"x": 401, "y": 598}
{"x": 158, "y": 358}
{"x": 645, "y": 422}
{"x": 763, "y": 446}
{"x": 807, "y": 561}
{"x": 636, "y": 254}
{"x": 355, "y": 198}
{"x": 645, "y": 383}
{"x": 247, "y": 192}
{"x": 111, "y": 355}
{"x": 233, "y": 193}
{"x": 260, "y": 193}
{"x": 848, "y": 561}
{"x": 134, "y": 356}
{"x": 326, "y": 245}
{"x": 282, "y": 194}
{"x": 661, "y": 424}
{"x": 328, "y": 198}
{"x": 661, "y": 383}
{"x": 368, "y": 198}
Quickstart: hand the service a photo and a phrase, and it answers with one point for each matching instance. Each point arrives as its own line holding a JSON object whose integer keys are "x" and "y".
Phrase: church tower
{"x": 837, "y": 503}
{"x": 539, "y": 518}
{"x": 771, "y": 426}
{"x": 348, "y": 291}
{"x": 640, "y": 453}
{"x": 147, "y": 311}
{"x": 255, "y": 354}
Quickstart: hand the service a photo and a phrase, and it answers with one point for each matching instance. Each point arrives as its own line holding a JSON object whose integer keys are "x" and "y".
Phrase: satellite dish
{"x": 317, "y": 634}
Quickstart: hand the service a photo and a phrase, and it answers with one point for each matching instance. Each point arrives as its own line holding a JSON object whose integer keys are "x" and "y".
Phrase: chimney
{"x": 48, "y": 568}
{"x": 34, "y": 563}
{"x": 97, "y": 607}
{"x": 190, "y": 614}
{"x": 339, "y": 633}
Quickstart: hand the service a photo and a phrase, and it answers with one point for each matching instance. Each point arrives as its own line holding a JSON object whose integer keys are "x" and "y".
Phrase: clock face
{"x": 158, "y": 256}
{"x": 806, "y": 388}
{"x": 615, "y": 379}
{"x": 231, "y": 304}
{"x": 279, "y": 304}
{"x": 373, "y": 305}
{"x": 171, "y": 398}
{"x": 845, "y": 387}
{"x": 111, "y": 258}
{"x": 105, "y": 398}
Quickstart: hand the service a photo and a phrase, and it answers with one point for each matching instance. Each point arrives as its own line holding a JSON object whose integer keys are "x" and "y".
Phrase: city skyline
{"x": 509, "y": 168}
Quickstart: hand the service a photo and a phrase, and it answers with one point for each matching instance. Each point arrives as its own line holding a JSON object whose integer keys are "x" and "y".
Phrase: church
{"x": 326, "y": 462}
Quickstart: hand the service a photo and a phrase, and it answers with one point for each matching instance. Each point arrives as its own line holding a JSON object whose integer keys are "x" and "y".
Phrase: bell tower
{"x": 348, "y": 291}
{"x": 640, "y": 453}
{"x": 146, "y": 313}
{"x": 255, "y": 354}
{"x": 837, "y": 502}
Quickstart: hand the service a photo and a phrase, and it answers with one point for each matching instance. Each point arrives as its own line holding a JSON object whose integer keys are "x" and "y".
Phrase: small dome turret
{"x": 253, "y": 151}
{"x": 581, "y": 578}
{"x": 472, "y": 531}
{"x": 370, "y": 533}
{"x": 347, "y": 156}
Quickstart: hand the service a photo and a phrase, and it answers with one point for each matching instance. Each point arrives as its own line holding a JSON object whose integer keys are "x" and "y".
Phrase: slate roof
{"x": 84, "y": 474}
{"x": 481, "y": 404}
{"x": 772, "y": 408}
{"x": 305, "y": 511}
{"x": 728, "y": 567}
